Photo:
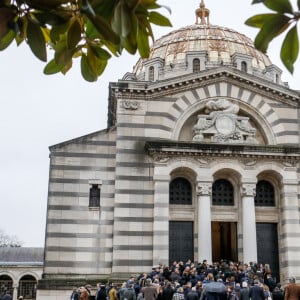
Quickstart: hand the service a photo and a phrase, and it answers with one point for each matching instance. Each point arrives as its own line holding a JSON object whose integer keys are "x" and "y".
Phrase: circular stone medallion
{"x": 225, "y": 125}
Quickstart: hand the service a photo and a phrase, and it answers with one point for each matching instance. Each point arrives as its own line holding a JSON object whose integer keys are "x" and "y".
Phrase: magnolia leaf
{"x": 298, "y": 3}
{"x": 6, "y": 16}
{"x": 99, "y": 52}
{"x": 158, "y": 19}
{"x": 290, "y": 49}
{"x": 74, "y": 34}
{"x": 281, "y": 6}
{"x": 270, "y": 30}
{"x": 52, "y": 67}
{"x": 7, "y": 39}
{"x": 130, "y": 42}
{"x": 143, "y": 43}
{"x": 36, "y": 40}
{"x": 51, "y": 18}
{"x": 121, "y": 22}
{"x": 63, "y": 54}
{"x": 86, "y": 70}
{"x": 259, "y": 20}
{"x": 257, "y": 1}
{"x": 59, "y": 30}
{"x": 96, "y": 64}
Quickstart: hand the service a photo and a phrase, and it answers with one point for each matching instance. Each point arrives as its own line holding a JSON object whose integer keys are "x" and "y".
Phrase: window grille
{"x": 6, "y": 284}
{"x": 27, "y": 287}
{"x": 94, "y": 196}
{"x": 196, "y": 65}
{"x": 264, "y": 194}
{"x": 180, "y": 191}
{"x": 222, "y": 192}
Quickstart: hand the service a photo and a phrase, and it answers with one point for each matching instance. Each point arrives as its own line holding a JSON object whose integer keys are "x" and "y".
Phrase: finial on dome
{"x": 202, "y": 13}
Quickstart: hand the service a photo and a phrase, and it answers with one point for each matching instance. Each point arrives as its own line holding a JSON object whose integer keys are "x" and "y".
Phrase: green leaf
{"x": 51, "y": 18}
{"x": 6, "y": 16}
{"x": 52, "y": 67}
{"x": 257, "y": 1}
{"x": 143, "y": 43}
{"x": 121, "y": 22}
{"x": 270, "y": 30}
{"x": 36, "y": 40}
{"x": 63, "y": 55}
{"x": 7, "y": 39}
{"x": 298, "y": 3}
{"x": 86, "y": 70}
{"x": 158, "y": 19}
{"x": 59, "y": 30}
{"x": 99, "y": 52}
{"x": 259, "y": 20}
{"x": 74, "y": 34}
{"x": 281, "y": 6}
{"x": 290, "y": 49}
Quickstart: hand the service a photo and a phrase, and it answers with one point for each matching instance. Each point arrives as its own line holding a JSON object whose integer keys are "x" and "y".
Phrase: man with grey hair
{"x": 149, "y": 291}
{"x": 292, "y": 290}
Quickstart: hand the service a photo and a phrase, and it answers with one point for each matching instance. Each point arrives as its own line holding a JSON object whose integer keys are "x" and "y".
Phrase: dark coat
{"x": 101, "y": 294}
{"x": 129, "y": 294}
{"x": 167, "y": 293}
{"x": 257, "y": 293}
{"x": 244, "y": 293}
{"x": 192, "y": 295}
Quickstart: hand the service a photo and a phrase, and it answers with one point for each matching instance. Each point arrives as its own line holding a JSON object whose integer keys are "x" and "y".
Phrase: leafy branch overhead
{"x": 93, "y": 30}
{"x": 271, "y": 25}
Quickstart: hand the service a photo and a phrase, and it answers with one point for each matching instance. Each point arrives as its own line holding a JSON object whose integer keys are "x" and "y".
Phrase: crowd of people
{"x": 225, "y": 280}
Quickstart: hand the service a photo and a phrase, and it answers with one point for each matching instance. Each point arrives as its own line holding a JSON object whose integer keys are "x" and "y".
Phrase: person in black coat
{"x": 101, "y": 294}
{"x": 257, "y": 292}
{"x": 75, "y": 294}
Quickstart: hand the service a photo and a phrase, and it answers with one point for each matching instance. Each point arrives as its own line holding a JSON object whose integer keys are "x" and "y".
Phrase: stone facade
{"x": 154, "y": 137}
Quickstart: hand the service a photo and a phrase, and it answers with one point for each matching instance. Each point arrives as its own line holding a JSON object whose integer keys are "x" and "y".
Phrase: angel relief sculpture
{"x": 221, "y": 124}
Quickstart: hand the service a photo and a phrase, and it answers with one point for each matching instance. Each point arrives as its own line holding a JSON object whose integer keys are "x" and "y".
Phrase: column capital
{"x": 204, "y": 188}
{"x": 249, "y": 189}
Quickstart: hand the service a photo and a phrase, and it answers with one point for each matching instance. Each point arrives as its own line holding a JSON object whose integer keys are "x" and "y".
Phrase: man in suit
{"x": 292, "y": 290}
{"x": 257, "y": 292}
{"x": 75, "y": 294}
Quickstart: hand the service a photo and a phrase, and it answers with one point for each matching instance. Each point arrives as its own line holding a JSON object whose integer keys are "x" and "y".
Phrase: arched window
{"x": 244, "y": 67}
{"x": 151, "y": 73}
{"x": 265, "y": 195}
{"x": 180, "y": 191}
{"x": 277, "y": 78}
{"x": 196, "y": 65}
{"x": 27, "y": 287}
{"x": 6, "y": 285}
{"x": 94, "y": 196}
{"x": 222, "y": 192}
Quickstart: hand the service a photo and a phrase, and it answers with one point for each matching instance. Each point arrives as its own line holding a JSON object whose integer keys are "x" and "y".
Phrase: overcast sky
{"x": 38, "y": 111}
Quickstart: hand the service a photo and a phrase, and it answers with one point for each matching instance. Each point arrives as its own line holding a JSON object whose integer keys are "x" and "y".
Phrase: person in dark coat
{"x": 257, "y": 292}
{"x": 244, "y": 292}
{"x": 278, "y": 293}
{"x": 129, "y": 294}
{"x": 101, "y": 294}
{"x": 193, "y": 294}
{"x": 168, "y": 292}
{"x": 75, "y": 294}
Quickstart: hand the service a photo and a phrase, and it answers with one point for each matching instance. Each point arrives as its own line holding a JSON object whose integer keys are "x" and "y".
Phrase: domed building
{"x": 200, "y": 161}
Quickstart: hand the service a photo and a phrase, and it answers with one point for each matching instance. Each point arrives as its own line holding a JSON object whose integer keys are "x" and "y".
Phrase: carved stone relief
{"x": 221, "y": 124}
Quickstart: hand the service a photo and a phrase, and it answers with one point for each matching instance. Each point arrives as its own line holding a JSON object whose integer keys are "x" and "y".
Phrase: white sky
{"x": 38, "y": 111}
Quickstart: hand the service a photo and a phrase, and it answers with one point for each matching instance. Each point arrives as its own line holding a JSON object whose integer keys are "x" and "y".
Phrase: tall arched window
{"x": 27, "y": 287}
{"x": 244, "y": 66}
{"x": 180, "y": 191}
{"x": 6, "y": 285}
{"x": 265, "y": 195}
{"x": 196, "y": 65}
{"x": 151, "y": 73}
{"x": 222, "y": 192}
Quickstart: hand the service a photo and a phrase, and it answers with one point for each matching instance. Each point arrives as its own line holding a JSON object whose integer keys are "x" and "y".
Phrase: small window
{"x": 244, "y": 66}
{"x": 94, "y": 196}
{"x": 265, "y": 195}
{"x": 196, "y": 65}
{"x": 151, "y": 73}
{"x": 277, "y": 78}
{"x": 180, "y": 191}
{"x": 222, "y": 192}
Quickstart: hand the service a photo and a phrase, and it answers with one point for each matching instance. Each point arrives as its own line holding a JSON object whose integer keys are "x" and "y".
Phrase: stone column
{"x": 249, "y": 223}
{"x": 204, "y": 222}
{"x": 161, "y": 220}
{"x": 15, "y": 292}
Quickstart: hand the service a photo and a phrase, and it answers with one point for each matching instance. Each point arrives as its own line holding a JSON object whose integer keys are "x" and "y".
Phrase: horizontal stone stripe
{"x": 135, "y": 205}
{"x": 161, "y": 247}
{"x": 82, "y": 168}
{"x": 83, "y": 154}
{"x": 78, "y": 181}
{"x": 177, "y": 107}
{"x": 76, "y": 207}
{"x": 135, "y": 178}
{"x": 279, "y": 105}
{"x": 159, "y": 204}
{"x": 79, "y": 235}
{"x": 133, "y": 219}
{"x": 145, "y": 126}
{"x": 97, "y": 143}
{"x": 133, "y": 233}
{"x": 134, "y": 247}
{"x": 133, "y": 164}
{"x": 73, "y": 221}
{"x": 161, "y": 219}
{"x": 290, "y": 235}
{"x": 132, "y": 263}
{"x": 139, "y": 151}
{"x": 290, "y": 263}
{"x": 67, "y": 194}
{"x": 77, "y": 264}
{"x": 289, "y": 208}
{"x": 287, "y": 121}
{"x": 79, "y": 249}
{"x": 289, "y": 221}
{"x": 165, "y": 99}
{"x": 161, "y": 115}
{"x": 289, "y": 249}
{"x": 287, "y": 132}
{"x": 131, "y": 138}
{"x": 134, "y": 192}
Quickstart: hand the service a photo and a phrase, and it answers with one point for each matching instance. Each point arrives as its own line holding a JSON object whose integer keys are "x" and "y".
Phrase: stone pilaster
{"x": 249, "y": 222}
{"x": 204, "y": 221}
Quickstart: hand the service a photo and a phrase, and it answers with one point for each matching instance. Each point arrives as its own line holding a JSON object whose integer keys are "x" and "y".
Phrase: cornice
{"x": 155, "y": 90}
{"x": 248, "y": 154}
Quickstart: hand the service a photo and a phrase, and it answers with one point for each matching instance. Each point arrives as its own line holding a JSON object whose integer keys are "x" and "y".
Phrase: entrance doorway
{"x": 224, "y": 241}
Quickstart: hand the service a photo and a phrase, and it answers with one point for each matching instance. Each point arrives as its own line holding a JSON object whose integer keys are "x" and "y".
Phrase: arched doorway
{"x": 27, "y": 287}
{"x": 6, "y": 285}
